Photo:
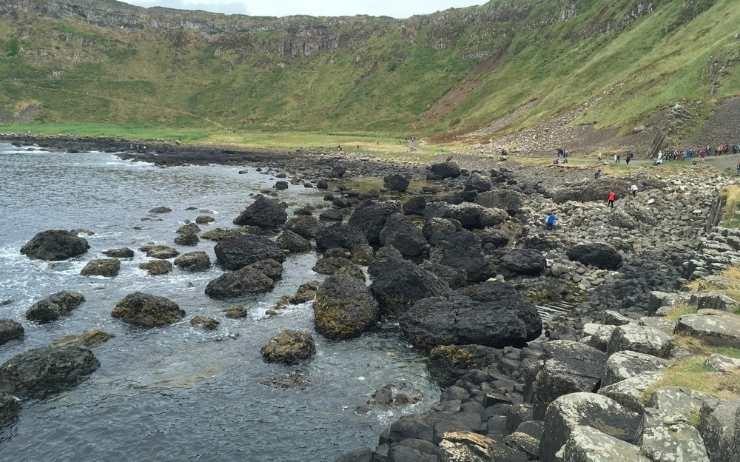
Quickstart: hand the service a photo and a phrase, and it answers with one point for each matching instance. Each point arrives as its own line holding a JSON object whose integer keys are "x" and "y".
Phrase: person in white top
{"x": 633, "y": 190}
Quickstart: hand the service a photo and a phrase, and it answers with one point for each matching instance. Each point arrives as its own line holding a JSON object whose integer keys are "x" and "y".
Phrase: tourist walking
{"x": 633, "y": 190}
{"x": 611, "y": 199}
{"x": 597, "y": 174}
{"x": 550, "y": 221}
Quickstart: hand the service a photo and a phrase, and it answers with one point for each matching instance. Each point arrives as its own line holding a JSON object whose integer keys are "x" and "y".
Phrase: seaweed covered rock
{"x": 289, "y": 347}
{"x": 54, "y": 306}
{"x": 344, "y": 308}
{"x": 41, "y": 372}
{"x": 144, "y": 310}
{"x": 106, "y": 267}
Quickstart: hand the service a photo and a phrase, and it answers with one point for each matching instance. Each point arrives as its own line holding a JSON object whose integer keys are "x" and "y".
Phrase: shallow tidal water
{"x": 176, "y": 393}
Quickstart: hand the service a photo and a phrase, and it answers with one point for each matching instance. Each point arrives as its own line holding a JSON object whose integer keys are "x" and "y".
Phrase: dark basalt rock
{"x": 506, "y": 199}
{"x": 344, "y": 308}
{"x": 41, "y": 372}
{"x": 477, "y": 182}
{"x": 415, "y": 205}
{"x": 246, "y": 281}
{"x": 396, "y": 182}
{"x": 398, "y": 284}
{"x": 54, "y": 306}
{"x": 10, "y": 407}
{"x": 521, "y": 262}
{"x": 55, "y": 245}
{"x": 339, "y": 235}
{"x": 370, "y": 218}
{"x": 404, "y": 235}
{"x": 293, "y": 243}
{"x": 123, "y": 252}
{"x": 10, "y": 330}
{"x": 462, "y": 250}
{"x": 204, "y": 323}
{"x": 264, "y": 213}
{"x": 305, "y": 226}
{"x": 596, "y": 254}
{"x": 204, "y": 219}
{"x": 241, "y": 251}
{"x": 144, "y": 310}
{"x": 443, "y": 170}
{"x": 490, "y": 314}
{"x": 160, "y": 210}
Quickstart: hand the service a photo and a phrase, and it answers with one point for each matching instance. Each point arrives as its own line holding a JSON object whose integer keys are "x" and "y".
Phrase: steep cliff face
{"x": 494, "y": 69}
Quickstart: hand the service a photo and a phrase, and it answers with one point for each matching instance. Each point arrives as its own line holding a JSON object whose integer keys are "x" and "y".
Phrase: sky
{"x": 394, "y": 8}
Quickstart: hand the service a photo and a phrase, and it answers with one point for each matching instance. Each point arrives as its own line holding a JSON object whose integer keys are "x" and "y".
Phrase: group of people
{"x": 551, "y": 220}
{"x": 561, "y": 156}
{"x": 691, "y": 153}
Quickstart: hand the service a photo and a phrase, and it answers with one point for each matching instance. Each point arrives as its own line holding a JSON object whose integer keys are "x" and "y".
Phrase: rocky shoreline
{"x": 548, "y": 344}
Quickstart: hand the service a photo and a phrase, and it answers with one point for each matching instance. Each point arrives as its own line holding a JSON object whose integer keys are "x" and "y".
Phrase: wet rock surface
{"x": 55, "y": 245}
{"x": 54, "y": 306}
{"x": 144, "y": 310}
{"x": 289, "y": 347}
{"x": 344, "y": 308}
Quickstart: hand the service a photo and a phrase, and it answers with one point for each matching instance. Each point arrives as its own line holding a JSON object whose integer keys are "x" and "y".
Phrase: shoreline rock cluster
{"x": 465, "y": 267}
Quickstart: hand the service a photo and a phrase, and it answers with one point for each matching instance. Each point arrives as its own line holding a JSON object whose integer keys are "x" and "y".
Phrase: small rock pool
{"x": 177, "y": 393}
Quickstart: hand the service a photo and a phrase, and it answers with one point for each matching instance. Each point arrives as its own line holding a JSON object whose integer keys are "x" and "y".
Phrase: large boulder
{"x": 41, "y": 372}
{"x": 339, "y": 235}
{"x": 462, "y": 250}
{"x": 54, "y": 306}
{"x": 10, "y": 330}
{"x": 586, "y": 444}
{"x": 666, "y": 438}
{"x": 107, "y": 267}
{"x": 596, "y": 254}
{"x": 404, "y": 235}
{"x": 161, "y": 252}
{"x": 626, "y": 364}
{"x": 568, "y": 412}
{"x": 714, "y": 327}
{"x": 471, "y": 216}
{"x": 719, "y": 425}
{"x": 193, "y": 261}
{"x": 631, "y": 392}
{"x": 289, "y": 347}
{"x": 344, "y": 308}
{"x": 438, "y": 230}
{"x": 397, "y": 284}
{"x": 569, "y": 367}
{"x": 642, "y": 339}
{"x": 238, "y": 252}
{"x": 144, "y": 310}
{"x": 491, "y": 314}
{"x": 264, "y": 213}
{"x": 370, "y": 218}
{"x": 521, "y": 262}
{"x": 396, "y": 182}
{"x": 442, "y": 170}
{"x": 505, "y": 199}
{"x": 249, "y": 280}
{"x": 55, "y": 245}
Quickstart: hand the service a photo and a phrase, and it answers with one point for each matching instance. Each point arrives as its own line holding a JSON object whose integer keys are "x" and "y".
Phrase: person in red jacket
{"x": 611, "y": 199}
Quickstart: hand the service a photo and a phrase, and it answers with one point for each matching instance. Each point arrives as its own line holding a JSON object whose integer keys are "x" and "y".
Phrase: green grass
{"x": 382, "y": 79}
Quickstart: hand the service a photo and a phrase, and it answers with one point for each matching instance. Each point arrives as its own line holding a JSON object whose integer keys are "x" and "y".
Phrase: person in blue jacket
{"x": 551, "y": 221}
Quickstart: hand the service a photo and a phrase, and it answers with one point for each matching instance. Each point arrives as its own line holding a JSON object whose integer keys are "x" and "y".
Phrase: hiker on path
{"x": 628, "y": 158}
{"x": 611, "y": 199}
{"x": 550, "y": 221}
{"x": 633, "y": 190}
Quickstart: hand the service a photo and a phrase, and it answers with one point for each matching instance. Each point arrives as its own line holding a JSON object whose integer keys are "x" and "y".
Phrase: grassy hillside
{"x": 616, "y": 63}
